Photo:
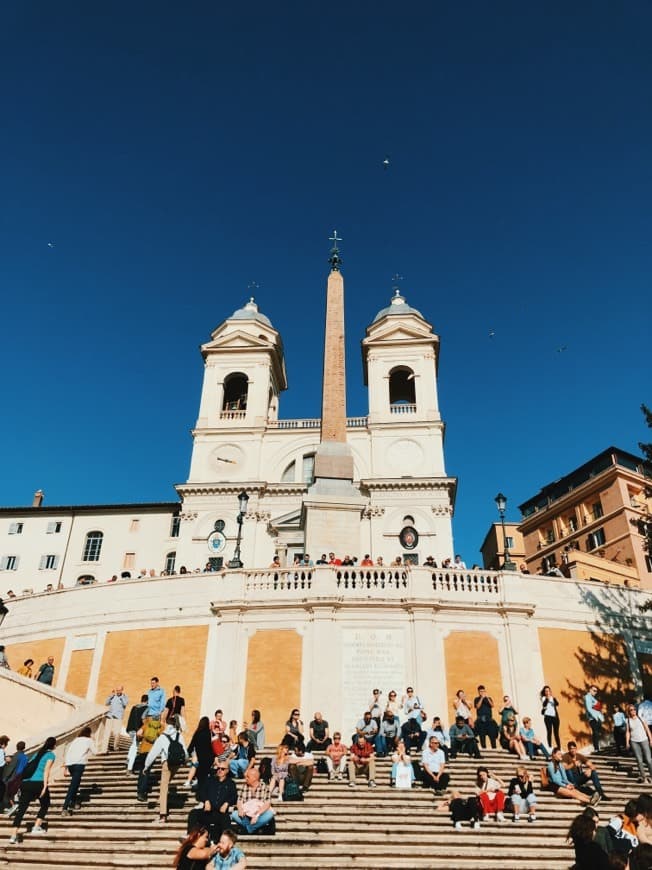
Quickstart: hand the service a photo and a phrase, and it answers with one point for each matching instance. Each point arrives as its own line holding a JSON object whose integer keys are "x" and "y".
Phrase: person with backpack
{"x": 171, "y": 749}
{"x": 35, "y": 782}
{"x": 638, "y": 739}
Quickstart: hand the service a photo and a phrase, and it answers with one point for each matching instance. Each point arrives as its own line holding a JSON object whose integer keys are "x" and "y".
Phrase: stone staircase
{"x": 335, "y": 827}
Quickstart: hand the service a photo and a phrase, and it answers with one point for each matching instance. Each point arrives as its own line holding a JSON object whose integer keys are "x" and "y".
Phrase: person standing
{"x": 35, "y": 786}
{"x": 45, "y": 673}
{"x": 26, "y": 669}
{"x": 175, "y": 706}
{"x": 550, "y": 713}
{"x": 155, "y": 699}
{"x": 77, "y": 755}
{"x": 4, "y": 661}
{"x": 594, "y": 715}
{"x": 638, "y": 737}
{"x": 170, "y": 747}
{"x": 117, "y": 704}
{"x": 485, "y": 726}
{"x": 134, "y": 724}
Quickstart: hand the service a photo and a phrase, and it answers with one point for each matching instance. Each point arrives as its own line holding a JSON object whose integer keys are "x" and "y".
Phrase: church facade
{"x": 317, "y": 637}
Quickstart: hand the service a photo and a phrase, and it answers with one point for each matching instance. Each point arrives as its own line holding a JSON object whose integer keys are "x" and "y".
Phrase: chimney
{"x": 38, "y": 498}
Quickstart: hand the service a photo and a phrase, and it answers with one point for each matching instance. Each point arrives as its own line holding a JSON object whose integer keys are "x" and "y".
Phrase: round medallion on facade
{"x": 409, "y": 537}
{"x": 227, "y": 460}
{"x": 216, "y": 543}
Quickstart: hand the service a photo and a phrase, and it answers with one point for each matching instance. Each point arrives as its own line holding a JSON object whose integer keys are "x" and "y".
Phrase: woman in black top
{"x": 588, "y": 855}
{"x": 550, "y": 715}
{"x": 195, "y": 852}
{"x": 202, "y": 746}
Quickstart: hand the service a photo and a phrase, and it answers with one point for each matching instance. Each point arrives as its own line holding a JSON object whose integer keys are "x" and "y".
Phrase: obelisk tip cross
{"x": 335, "y": 260}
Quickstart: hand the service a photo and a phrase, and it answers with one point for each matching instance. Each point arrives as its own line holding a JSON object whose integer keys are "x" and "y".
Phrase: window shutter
{"x": 55, "y": 562}
{"x": 13, "y": 528}
{"x": 51, "y": 528}
{"x": 4, "y": 562}
{"x": 43, "y": 563}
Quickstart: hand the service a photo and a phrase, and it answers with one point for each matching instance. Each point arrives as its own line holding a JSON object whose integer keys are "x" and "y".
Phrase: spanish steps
{"x": 335, "y": 827}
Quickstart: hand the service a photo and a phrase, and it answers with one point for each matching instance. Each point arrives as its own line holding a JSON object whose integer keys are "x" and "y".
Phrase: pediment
{"x": 237, "y": 339}
{"x": 399, "y": 332}
{"x": 290, "y": 520}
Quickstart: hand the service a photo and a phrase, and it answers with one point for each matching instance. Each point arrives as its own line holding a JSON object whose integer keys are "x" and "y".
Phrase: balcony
{"x": 232, "y": 415}
{"x": 402, "y": 409}
{"x": 315, "y": 423}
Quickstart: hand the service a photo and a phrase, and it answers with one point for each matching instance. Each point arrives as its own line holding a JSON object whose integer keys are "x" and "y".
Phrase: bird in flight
{"x": 562, "y": 348}
{"x": 386, "y": 161}
{"x": 492, "y": 332}
{"x": 50, "y": 244}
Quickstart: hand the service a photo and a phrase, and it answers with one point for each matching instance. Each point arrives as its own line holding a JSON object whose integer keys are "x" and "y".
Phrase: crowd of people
{"x": 236, "y": 785}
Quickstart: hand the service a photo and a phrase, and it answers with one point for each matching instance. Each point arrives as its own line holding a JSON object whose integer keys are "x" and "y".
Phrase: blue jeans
{"x": 263, "y": 819}
{"x": 579, "y": 778}
{"x": 238, "y": 766}
{"x": 76, "y": 772}
{"x": 533, "y": 748}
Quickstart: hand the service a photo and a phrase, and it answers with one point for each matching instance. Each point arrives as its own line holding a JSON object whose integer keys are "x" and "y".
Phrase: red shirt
{"x": 362, "y": 751}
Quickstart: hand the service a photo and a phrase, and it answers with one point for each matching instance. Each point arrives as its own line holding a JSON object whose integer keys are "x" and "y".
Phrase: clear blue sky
{"x": 174, "y": 153}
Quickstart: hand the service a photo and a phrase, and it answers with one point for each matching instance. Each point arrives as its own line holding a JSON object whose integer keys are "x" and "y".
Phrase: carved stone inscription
{"x": 371, "y": 659}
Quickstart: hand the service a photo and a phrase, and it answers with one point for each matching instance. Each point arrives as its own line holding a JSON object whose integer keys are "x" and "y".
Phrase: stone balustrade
{"x": 315, "y": 423}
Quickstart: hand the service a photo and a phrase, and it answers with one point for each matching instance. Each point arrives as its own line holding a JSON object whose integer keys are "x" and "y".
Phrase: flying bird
{"x": 562, "y": 348}
{"x": 492, "y": 333}
{"x": 50, "y": 244}
{"x": 386, "y": 161}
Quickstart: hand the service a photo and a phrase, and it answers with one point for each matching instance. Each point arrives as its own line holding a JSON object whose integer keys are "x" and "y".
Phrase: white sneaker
{"x": 13, "y": 840}
{"x": 351, "y": 784}
{"x": 500, "y": 817}
{"x": 372, "y": 783}
{"x": 516, "y": 817}
{"x": 475, "y": 825}
{"x": 458, "y": 826}
{"x": 532, "y": 817}
{"x": 38, "y": 831}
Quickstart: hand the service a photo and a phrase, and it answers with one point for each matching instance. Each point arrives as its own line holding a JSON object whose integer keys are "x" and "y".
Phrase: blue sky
{"x": 174, "y": 154}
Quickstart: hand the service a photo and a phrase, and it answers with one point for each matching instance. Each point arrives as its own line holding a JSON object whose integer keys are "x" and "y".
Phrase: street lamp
{"x": 243, "y": 498}
{"x": 501, "y": 504}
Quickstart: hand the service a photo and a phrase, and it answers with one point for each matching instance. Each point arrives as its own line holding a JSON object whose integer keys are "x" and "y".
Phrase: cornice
{"x": 444, "y": 484}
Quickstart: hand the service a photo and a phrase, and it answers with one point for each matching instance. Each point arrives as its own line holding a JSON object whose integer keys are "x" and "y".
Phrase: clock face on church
{"x": 227, "y": 460}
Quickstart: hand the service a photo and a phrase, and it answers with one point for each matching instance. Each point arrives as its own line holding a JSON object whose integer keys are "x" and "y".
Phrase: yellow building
{"x": 494, "y": 545}
{"x": 584, "y": 524}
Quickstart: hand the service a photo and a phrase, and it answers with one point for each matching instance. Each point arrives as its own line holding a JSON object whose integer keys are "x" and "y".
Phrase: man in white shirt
{"x": 433, "y": 763}
{"x": 77, "y": 755}
{"x": 117, "y": 704}
{"x": 437, "y": 730}
{"x": 301, "y": 765}
{"x": 163, "y": 747}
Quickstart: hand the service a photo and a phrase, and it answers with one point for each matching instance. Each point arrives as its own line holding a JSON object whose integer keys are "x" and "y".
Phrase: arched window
{"x": 401, "y": 387}
{"x": 236, "y": 386}
{"x": 85, "y": 580}
{"x": 170, "y": 559}
{"x": 92, "y": 547}
{"x": 290, "y": 473}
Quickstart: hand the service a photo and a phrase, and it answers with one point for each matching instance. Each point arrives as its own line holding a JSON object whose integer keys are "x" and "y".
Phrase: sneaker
{"x": 458, "y": 826}
{"x": 186, "y": 784}
{"x": 66, "y": 812}
{"x": 339, "y": 777}
{"x": 160, "y": 821}
{"x": 475, "y": 825}
{"x": 13, "y": 840}
{"x": 143, "y": 798}
{"x": 77, "y": 806}
{"x": 8, "y": 811}
{"x": 516, "y": 817}
{"x": 38, "y": 831}
{"x": 351, "y": 785}
{"x": 595, "y": 799}
{"x": 532, "y": 817}
{"x": 372, "y": 783}
{"x": 500, "y": 817}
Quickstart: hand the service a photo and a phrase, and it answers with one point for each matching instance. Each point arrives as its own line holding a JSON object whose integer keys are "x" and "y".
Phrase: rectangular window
{"x": 53, "y": 528}
{"x": 134, "y": 525}
{"x": 170, "y": 559}
{"x": 572, "y": 523}
{"x": 16, "y": 528}
{"x": 48, "y": 563}
{"x": 9, "y": 563}
{"x": 550, "y": 536}
{"x": 129, "y": 561}
{"x": 648, "y": 563}
{"x": 509, "y": 542}
{"x": 596, "y": 539}
{"x": 309, "y": 469}
{"x": 175, "y": 526}
{"x": 596, "y": 510}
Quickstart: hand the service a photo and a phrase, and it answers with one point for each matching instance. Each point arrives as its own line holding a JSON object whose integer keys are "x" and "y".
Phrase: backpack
{"x": 176, "y": 753}
{"x": 151, "y": 730}
{"x": 32, "y": 765}
{"x": 292, "y": 792}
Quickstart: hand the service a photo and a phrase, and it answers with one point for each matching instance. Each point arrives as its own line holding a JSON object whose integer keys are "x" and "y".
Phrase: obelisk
{"x": 332, "y": 505}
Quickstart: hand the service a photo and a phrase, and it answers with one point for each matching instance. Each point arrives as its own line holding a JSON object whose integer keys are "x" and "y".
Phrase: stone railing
{"x": 402, "y": 409}
{"x": 232, "y": 415}
{"x": 315, "y": 423}
{"x": 338, "y": 580}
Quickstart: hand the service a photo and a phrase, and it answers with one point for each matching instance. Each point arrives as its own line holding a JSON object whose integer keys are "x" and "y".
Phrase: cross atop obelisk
{"x": 333, "y": 405}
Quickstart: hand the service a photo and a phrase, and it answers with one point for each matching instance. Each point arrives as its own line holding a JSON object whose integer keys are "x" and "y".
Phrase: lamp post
{"x": 501, "y": 504}
{"x": 243, "y": 498}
